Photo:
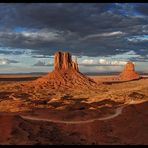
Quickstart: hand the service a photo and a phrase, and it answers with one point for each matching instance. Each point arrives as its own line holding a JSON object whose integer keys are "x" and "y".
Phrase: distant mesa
{"x": 129, "y": 72}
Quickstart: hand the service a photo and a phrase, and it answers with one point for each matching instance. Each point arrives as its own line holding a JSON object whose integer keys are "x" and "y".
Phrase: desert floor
{"x": 113, "y": 113}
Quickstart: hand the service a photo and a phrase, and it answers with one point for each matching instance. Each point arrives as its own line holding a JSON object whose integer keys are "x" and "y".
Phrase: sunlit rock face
{"x": 129, "y": 72}
{"x": 65, "y": 75}
{"x": 63, "y": 61}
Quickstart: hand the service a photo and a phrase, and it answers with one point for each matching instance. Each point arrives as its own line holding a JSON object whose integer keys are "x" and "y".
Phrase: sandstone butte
{"x": 65, "y": 74}
{"x": 128, "y": 72}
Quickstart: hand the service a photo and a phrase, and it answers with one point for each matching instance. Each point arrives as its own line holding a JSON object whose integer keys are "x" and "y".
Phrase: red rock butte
{"x": 63, "y": 61}
{"x": 66, "y": 74}
{"x": 129, "y": 72}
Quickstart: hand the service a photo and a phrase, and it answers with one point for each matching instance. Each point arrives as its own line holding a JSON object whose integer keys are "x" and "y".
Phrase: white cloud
{"x": 44, "y": 36}
{"x": 110, "y": 68}
{"x": 107, "y": 34}
{"x": 41, "y": 63}
{"x": 136, "y": 39}
{"x": 111, "y": 62}
{"x": 112, "y": 34}
{"x": 98, "y": 61}
{"x": 102, "y": 61}
{"x": 131, "y": 52}
{"x": 42, "y": 56}
{"x": 114, "y": 60}
{"x": 7, "y": 61}
{"x": 88, "y": 61}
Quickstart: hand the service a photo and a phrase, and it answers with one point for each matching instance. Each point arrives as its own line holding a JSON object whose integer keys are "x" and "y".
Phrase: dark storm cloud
{"x": 143, "y": 8}
{"x": 83, "y": 29}
{"x": 54, "y": 16}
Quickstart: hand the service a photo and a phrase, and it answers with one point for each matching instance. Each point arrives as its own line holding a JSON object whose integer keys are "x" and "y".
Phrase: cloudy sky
{"x": 102, "y": 36}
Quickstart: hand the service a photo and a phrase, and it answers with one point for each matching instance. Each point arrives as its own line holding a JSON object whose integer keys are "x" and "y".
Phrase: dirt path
{"x": 117, "y": 113}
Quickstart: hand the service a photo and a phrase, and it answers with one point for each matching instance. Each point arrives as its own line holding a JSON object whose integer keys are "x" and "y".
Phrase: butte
{"x": 66, "y": 75}
{"x": 129, "y": 73}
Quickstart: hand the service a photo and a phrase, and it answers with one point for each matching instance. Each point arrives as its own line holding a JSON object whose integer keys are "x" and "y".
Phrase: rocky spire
{"x": 75, "y": 64}
{"x": 129, "y": 72}
{"x": 67, "y": 61}
{"x": 63, "y": 61}
{"x": 129, "y": 67}
{"x": 57, "y": 60}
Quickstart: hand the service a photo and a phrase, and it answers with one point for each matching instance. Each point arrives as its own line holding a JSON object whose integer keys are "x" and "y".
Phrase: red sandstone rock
{"x": 63, "y": 61}
{"x": 129, "y": 72}
{"x": 75, "y": 65}
{"x": 65, "y": 75}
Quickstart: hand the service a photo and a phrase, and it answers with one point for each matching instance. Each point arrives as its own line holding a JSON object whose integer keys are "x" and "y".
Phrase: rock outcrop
{"x": 65, "y": 74}
{"x": 63, "y": 61}
{"x": 75, "y": 65}
{"x": 129, "y": 72}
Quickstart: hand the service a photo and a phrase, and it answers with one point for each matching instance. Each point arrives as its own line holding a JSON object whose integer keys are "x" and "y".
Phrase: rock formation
{"x": 65, "y": 75}
{"x": 129, "y": 72}
{"x": 75, "y": 65}
{"x": 63, "y": 61}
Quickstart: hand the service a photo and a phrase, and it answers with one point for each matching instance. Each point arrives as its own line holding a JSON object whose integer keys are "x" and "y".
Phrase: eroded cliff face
{"x": 129, "y": 72}
{"x": 63, "y": 61}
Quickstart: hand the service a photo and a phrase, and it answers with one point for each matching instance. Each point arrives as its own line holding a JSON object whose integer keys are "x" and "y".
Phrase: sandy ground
{"x": 49, "y": 117}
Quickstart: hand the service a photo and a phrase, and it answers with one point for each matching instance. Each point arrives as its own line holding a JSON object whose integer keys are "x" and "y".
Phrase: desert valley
{"x": 68, "y": 107}
{"x": 74, "y": 73}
